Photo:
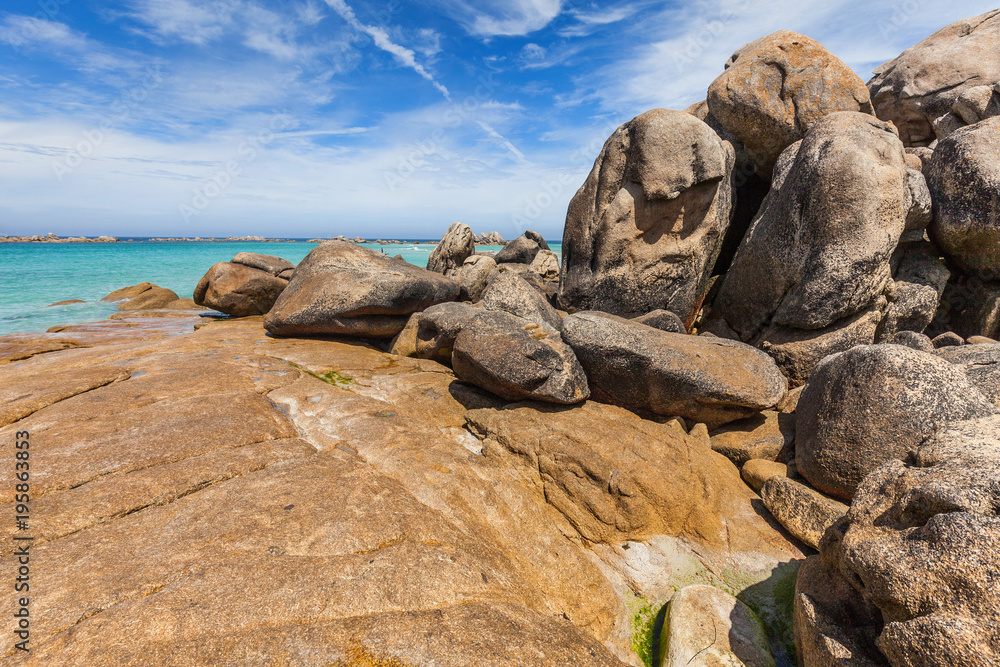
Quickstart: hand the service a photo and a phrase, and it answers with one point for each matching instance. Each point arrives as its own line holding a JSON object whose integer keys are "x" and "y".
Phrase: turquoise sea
{"x": 37, "y": 274}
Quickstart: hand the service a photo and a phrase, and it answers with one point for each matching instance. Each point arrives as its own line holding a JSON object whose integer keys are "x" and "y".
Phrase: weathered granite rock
{"x": 920, "y": 542}
{"x": 981, "y": 363}
{"x": 912, "y": 339}
{"x": 707, "y": 627}
{"x": 489, "y": 238}
{"x": 709, "y": 380}
{"x": 947, "y": 339}
{"x": 834, "y": 625}
{"x": 797, "y": 351}
{"x": 276, "y": 266}
{"x": 438, "y": 327}
{"x": 944, "y": 82}
{"x": 511, "y": 293}
{"x": 762, "y": 436}
{"x": 450, "y": 254}
{"x": 596, "y": 465}
{"x": 474, "y": 276}
{"x": 664, "y": 320}
{"x": 756, "y": 472}
{"x": 68, "y": 302}
{"x": 872, "y": 404}
{"x": 518, "y": 359}
{"x": 343, "y": 289}
{"x": 405, "y": 342}
{"x": 523, "y": 249}
{"x": 644, "y": 230}
{"x": 843, "y": 198}
{"x": 155, "y": 297}
{"x": 774, "y": 90}
{"x": 964, "y": 179}
{"x": 803, "y": 511}
{"x": 547, "y": 288}
{"x": 238, "y": 289}
{"x": 545, "y": 265}
{"x": 131, "y": 292}
{"x": 921, "y": 209}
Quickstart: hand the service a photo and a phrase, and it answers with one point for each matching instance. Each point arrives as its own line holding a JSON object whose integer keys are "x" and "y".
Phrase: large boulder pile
{"x": 646, "y": 227}
{"x": 642, "y": 390}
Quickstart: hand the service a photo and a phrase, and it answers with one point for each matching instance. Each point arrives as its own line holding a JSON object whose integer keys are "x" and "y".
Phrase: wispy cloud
{"x": 381, "y": 38}
{"x": 491, "y": 18}
{"x": 57, "y": 40}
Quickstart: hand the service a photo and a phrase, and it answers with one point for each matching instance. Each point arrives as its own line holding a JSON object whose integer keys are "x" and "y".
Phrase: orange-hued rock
{"x": 776, "y": 88}
{"x": 218, "y": 496}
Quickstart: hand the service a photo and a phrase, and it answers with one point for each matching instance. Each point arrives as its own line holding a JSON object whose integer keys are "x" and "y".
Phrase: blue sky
{"x": 393, "y": 119}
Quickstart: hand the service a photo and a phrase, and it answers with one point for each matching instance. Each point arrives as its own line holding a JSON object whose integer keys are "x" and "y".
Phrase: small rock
{"x": 151, "y": 299}
{"x": 664, "y": 320}
{"x": 756, "y": 472}
{"x": 947, "y": 339}
{"x": 804, "y": 512}
{"x": 66, "y": 303}
{"x": 439, "y": 326}
{"x": 912, "y": 339}
{"x": 979, "y": 340}
{"x": 239, "y": 289}
{"x": 131, "y": 292}
{"x": 707, "y": 627}
{"x": 762, "y": 436}
{"x": 545, "y": 265}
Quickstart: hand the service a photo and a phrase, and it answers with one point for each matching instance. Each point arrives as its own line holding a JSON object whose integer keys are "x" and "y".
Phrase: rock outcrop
{"x": 810, "y": 277}
{"x": 644, "y": 230}
{"x": 708, "y": 380}
{"x": 455, "y": 247}
{"x": 873, "y": 404}
{"x": 944, "y": 82}
{"x": 344, "y": 289}
{"x": 774, "y": 90}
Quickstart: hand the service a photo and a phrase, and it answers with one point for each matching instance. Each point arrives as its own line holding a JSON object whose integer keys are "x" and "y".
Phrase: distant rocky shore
{"x": 52, "y": 238}
{"x": 752, "y": 418}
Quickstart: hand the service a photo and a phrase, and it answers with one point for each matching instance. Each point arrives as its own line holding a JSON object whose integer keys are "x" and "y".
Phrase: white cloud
{"x": 185, "y": 21}
{"x": 53, "y": 39}
{"x": 590, "y": 21}
{"x": 489, "y": 18}
{"x": 381, "y": 38}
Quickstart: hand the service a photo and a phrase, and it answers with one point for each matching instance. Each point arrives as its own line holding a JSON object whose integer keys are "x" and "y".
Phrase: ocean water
{"x": 35, "y": 275}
